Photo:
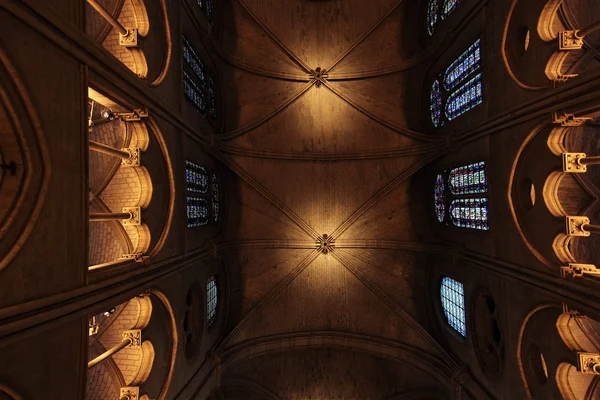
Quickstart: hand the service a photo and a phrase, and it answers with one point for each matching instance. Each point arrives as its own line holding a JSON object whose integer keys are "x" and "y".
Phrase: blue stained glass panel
{"x": 440, "y": 205}
{"x": 196, "y": 177}
{"x": 197, "y": 212}
{"x": 465, "y": 98}
{"x": 448, "y": 7}
{"x": 470, "y": 213}
{"x": 193, "y": 93}
{"x": 452, "y": 295}
{"x": 211, "y": 301}
{"x": 468, "y": 179}
{"x": 215, "y": 198}
{"x": 192, "y": 60}
{"x": 435, "y": 104}
{"x": 467, "y": 63}
{"x": 432, "y": 15}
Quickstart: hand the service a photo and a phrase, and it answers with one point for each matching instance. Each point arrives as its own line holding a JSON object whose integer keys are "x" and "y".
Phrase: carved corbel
{"x": 129, "y": 393}
{"x": 588, "y": 363}
{"x": 136, "y": 216}
{"x": 135, "y": 335}
{"x": 575, "y": 226}
{"x": 129, "y": 38}
{"x": 572, "y": 163}
{"x": 569, "y": 40}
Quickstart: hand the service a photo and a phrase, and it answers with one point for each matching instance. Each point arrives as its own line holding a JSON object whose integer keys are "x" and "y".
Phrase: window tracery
{"x": 456, "y": 99}
{"x": 198, "y": 86}
{"x": 215, "y": 198}
{"x": 448, "y": 7}
{"x": 435, "y": 13}
{"x": 192, "y": 61}
{"x": 193, "y": 93}
{"x": 465, "y": 98}
{"x": 203, "y": 198}
{"x": 211, "y": 301}
{"x": 440, "y": 205}
{"x": 197, "y": 212}
{"x": 467, "y": 63}
{"x": 432, "y": 15}
{"x": 436, "y": 103}
{"x": 470, "y": 213}
{"x": 468, "y": 179}
{"x": 464, "y": 210}
{"x": 452, "y": 296}
{"x": 196, "y": 177}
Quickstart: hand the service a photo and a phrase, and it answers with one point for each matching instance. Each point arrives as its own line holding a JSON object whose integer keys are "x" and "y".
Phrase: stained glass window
{"x": 193, "y": 93}
{"x": 467, "y": 63}
{"x": 470, "y": 213}
{"x": 440, "y": 201}
{"x": 452, "y": 295}
{"x": 465, "y": 98}
{"x": 196, "y": 177}
{"x": 468, "y": 179}
{"x": 215, "y": 198}
{"x": 197, "y": 212}
{"x": 448, "y": 7}
{"x": 211, "y": 301}
{"x": 212, "y": 101}
{"x": 192, "y": 60}
{"x": 435, "y": 104}
{"x": 432, "y": 15}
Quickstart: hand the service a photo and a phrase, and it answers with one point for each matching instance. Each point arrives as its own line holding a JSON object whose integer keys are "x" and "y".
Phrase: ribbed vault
{"x": 325, "y": 156}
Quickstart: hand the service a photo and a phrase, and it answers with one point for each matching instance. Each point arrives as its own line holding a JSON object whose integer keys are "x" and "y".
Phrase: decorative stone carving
{"x": 134, "y": 158}
{"x": 325, "y": 244}
{"x": 588, "y": 363}
{"x": 568, "y": 40}
{"x": 130, "y": 38}
{"x": 574, "y": 270}
{"x": 575, "y": 224}
{"x": 569, "y": 119}
{"x": 135, "y": 335}
{"x": 319, "y": 76}
{"x": 129, "y": 393}
{"x": 572, "y": 163}
{"x": 136, "y": 216}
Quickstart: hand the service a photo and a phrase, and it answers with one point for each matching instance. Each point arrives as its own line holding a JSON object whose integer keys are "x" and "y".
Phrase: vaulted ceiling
{"x": 337, "y": 157}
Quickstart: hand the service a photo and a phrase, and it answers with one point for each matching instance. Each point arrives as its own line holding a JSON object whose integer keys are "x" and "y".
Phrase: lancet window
{"x": 461, "y": 87}
{"x": 460, "y": 201}
{"x": 211, "y": 301}
{"x": 203, "y": 195}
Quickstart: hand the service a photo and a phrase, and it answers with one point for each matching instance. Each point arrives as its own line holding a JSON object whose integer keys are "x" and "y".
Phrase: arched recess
{"x": 545, "y": 359}
{"x": 131, "y": 365}
{"x": 24, "y": 177}
{"x": 569, "y": 15}
{"x": 151, "y": 57}
{"x": 524, "y": 51}
{"x": 131, "y": 14}
{"x": 576, "y": 194}
{"x": 149, "y": 365}
{"x": 573, "y": 385}
{"x": 580, "y": 334}
{"x": 119, "y": 183}
{"x": 535, "y": 222}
